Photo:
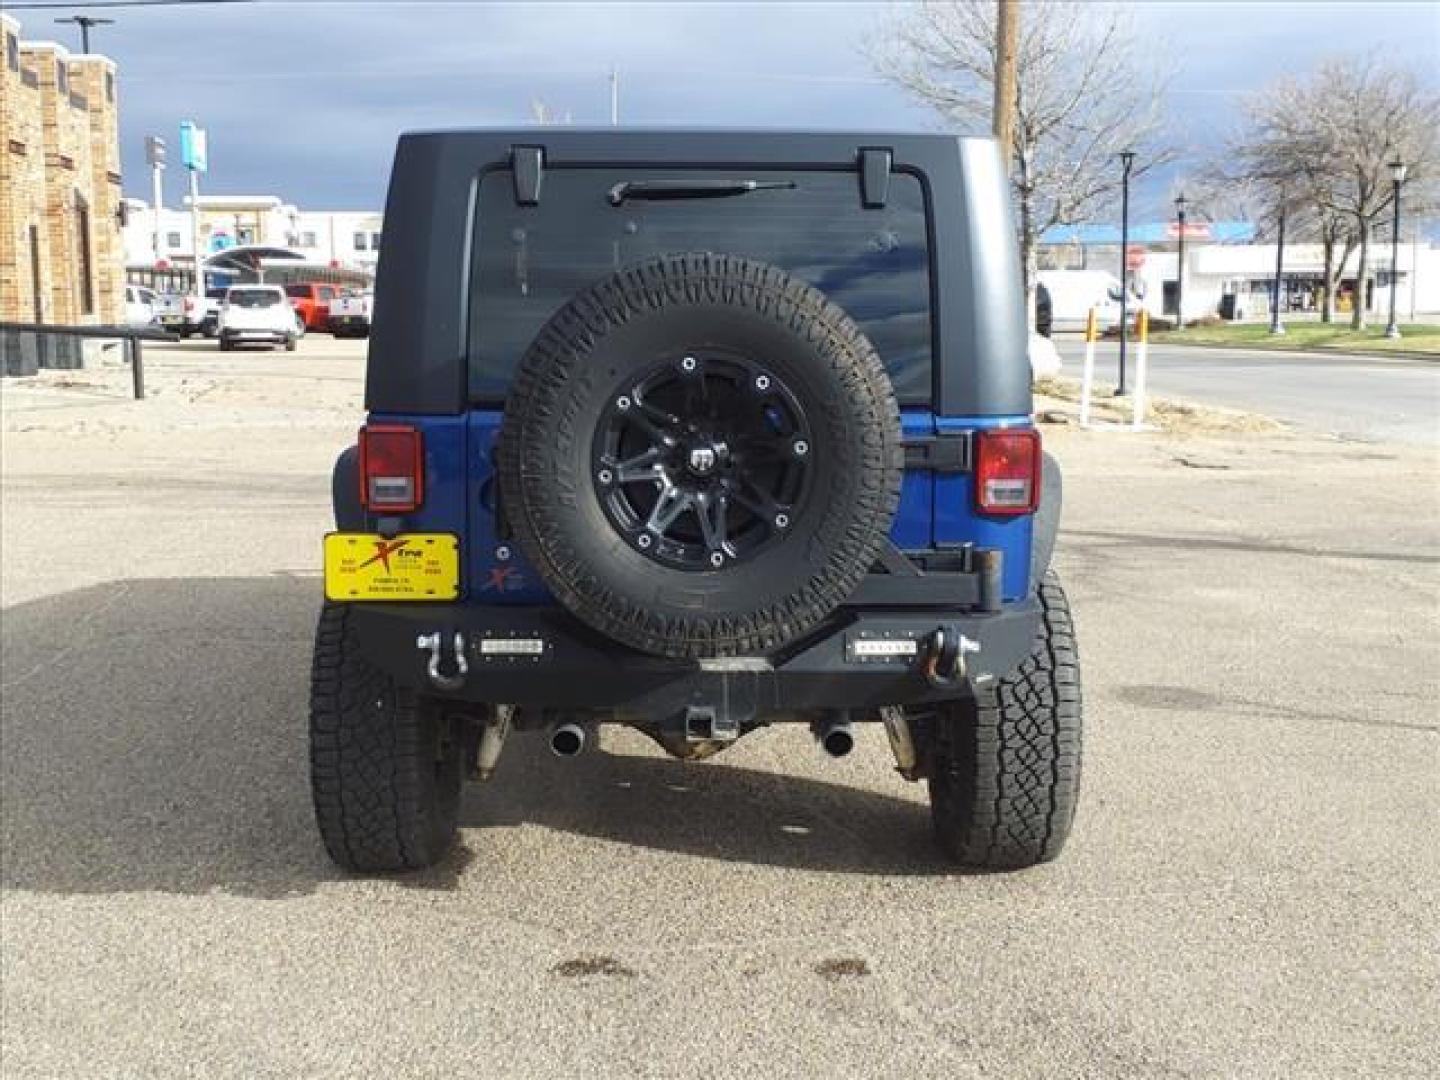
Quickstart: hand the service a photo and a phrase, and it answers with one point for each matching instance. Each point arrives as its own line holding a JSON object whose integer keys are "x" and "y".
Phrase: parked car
{"x": 257, "y": 314}
{"x": 170, "y": 311}
{"x": 140, "y": 305}
{"x": 350, "y": 315}
{"x": 187, "y": 314}
{"x": 312, "y": 301}
{"x": 663, "y": 481}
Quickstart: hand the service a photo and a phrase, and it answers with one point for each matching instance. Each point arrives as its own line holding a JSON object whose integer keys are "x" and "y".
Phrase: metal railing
{"x": 11, "y": 343}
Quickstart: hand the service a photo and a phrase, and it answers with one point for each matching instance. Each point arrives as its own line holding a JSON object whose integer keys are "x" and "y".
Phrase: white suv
{"x": 258, "y": 313}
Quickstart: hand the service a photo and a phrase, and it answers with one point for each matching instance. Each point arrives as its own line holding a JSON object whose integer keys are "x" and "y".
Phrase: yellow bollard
{"x": 1087, "y": 376}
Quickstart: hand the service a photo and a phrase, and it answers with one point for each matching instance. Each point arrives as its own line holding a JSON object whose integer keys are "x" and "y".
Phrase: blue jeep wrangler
{"x": 695, "y": 432}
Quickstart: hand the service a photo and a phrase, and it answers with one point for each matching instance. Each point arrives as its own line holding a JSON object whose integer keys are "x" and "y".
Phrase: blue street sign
{"x": 192, "y": 146}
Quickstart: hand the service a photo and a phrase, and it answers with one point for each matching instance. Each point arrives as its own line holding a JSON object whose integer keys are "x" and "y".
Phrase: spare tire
{"x": 701, "y": 456}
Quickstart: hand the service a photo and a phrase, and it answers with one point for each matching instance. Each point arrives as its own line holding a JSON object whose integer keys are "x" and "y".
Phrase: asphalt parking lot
{"x": 1250, "y": 890}
{"x": 1371, "y": 398}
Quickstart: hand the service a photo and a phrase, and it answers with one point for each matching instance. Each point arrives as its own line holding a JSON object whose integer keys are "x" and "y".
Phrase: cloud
{"x": 305, "y": 100}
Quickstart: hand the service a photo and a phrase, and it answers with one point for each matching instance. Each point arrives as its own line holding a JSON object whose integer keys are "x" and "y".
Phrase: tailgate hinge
{"x": 939, "y": 453}
{"x": 875, "y": 164}
{"x": 528, "y": 168}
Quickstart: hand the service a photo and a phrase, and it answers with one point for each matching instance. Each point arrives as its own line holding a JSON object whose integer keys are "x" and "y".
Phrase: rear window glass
{"x": 297, "y": 290}
{"x": 253, "y": 298}
{"x": 530, "y": 260}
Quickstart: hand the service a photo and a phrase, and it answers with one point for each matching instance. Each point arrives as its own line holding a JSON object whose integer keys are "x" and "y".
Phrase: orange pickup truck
{"x": 312, "y": 301}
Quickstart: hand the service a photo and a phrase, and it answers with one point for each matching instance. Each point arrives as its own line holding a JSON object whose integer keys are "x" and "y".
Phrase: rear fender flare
{"x": 1046, "y": 524}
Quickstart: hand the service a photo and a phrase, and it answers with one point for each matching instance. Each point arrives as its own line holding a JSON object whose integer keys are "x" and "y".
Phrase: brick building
{"x": 61, "y": 253}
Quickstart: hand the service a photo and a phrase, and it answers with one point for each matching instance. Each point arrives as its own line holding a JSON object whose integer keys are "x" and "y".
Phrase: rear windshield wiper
{"x": 656, "y": 190}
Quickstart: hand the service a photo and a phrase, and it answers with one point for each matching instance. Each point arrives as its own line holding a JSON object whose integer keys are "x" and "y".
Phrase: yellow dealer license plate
{"x": 411, "y": 566}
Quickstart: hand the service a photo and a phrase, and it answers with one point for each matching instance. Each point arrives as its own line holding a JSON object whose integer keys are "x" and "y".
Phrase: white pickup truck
{"x": 349, "y": 315}
{"x": 186, "y": 314}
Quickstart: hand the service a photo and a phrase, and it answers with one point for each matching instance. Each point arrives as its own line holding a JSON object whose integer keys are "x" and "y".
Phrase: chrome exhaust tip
{"x": 836, "y": 738}
{"x": 567, "y": 740}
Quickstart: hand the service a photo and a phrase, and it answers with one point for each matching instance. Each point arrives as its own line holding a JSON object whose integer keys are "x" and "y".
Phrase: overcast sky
{"x": 304, "y": 99}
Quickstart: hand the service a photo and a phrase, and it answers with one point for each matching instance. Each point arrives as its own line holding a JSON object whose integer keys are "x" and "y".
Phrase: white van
{"x": 1074, "y": 292}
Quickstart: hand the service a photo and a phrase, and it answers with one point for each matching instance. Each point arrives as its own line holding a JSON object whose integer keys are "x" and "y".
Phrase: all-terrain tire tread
{"x": 380, "y": 801}
{"x": 1006, "y": 776}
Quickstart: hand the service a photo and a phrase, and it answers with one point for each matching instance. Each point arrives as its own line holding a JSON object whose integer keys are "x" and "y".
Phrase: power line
{"x": 52, "y": 5}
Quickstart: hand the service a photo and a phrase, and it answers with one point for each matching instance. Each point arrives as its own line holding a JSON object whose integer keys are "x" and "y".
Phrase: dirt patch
{"x": 1057, "y": 401}
{"x": 582, "y": 966}
{"x": 843, "y": 967}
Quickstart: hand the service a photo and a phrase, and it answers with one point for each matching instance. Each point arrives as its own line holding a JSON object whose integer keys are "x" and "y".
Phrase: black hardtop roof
{"x": 699, "y": 145}
{"x": 419, "y": 342}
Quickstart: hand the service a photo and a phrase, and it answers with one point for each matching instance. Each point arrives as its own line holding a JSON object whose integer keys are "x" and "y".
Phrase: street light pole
{"x": 1397, "y": 174}
{"x": 1276, "y": 326}
{"x": 1127, "y": 159}
{"x": 155, "y": 157}
{"x": 1180, "y": 263}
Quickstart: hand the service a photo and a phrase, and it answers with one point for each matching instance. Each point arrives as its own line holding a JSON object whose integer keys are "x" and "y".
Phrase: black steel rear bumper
{"x": 543, "y": 657}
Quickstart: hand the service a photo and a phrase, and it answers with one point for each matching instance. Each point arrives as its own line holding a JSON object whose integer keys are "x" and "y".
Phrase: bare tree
{"x": 1325, "y": 141}
{"x": 1237, "y": 187}
{"x": 545, "y": 115}
{"x": 1080, "y": 99}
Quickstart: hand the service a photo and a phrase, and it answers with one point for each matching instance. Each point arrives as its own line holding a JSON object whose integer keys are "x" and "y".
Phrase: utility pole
{"x": 1007, "y": 33}
{"x": 614, "y": 96}
{"x": 85, "y": 22}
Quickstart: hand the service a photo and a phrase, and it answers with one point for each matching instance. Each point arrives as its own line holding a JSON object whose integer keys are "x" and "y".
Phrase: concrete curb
{"x": 1312, "y": 350}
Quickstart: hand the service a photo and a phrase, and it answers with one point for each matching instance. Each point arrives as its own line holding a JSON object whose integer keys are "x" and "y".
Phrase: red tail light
{"x": 392, "y": 468}
{"x": 1007, "y": 471}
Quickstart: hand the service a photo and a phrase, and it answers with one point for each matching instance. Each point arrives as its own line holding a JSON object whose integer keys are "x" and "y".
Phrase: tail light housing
{"x": 392, "y": 468}
{"x": 1007, "y": 471}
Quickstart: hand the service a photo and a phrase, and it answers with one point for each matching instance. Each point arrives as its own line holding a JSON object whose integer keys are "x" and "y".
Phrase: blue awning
{"x": 1153, "y": 232}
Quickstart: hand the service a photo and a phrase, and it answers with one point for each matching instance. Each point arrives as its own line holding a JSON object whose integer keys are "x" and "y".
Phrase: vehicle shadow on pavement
{"x": 713, "y": 809}
{"x": 152, "y": 738}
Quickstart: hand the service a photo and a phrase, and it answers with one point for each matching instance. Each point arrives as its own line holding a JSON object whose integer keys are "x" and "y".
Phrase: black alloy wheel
{"x": 702, "y": 461}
